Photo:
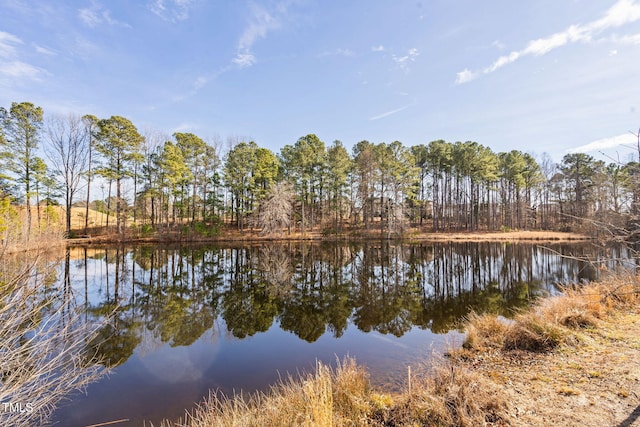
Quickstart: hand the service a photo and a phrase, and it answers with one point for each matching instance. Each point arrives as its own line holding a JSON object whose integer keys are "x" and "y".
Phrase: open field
{"x": 96, "y": 219}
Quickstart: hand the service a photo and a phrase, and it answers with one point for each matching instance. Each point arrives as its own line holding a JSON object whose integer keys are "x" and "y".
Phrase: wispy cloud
{"x": 498, "y": 45}
{"x": 627, "y": 39}
{"x": 338, "y": 52}
{"x": 389, "y": 113}
{"x": 404, "y": 61}
{"x": 171, "y": 10}
{"x": 379, "y": 48}
{"x": 244, "y": 60}
{"x": 621, "y": 13}
{"x": 12, "y": 69}
{"x": 626, "y": 139}
{"x": 43, "y": 50}
{"x": 97, "y": 15}
{"x": 20, "y": 70}
{"x": 261, "y": 22}
{"x": 8, "y": 44}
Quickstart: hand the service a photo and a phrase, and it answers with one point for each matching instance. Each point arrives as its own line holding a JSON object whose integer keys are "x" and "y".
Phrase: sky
{"x": 533, "y": 75}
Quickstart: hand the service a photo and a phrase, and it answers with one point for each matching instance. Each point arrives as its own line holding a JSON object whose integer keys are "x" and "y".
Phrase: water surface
{"x": 187, "y": 320}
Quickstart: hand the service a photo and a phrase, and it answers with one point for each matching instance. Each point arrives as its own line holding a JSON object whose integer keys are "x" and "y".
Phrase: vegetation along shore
{"x": 147, "y": 183}
{"x": 570, "y": 359}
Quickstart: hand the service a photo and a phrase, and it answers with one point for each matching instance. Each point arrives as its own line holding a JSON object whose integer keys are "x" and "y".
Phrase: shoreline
{"x": 415, "y": 237}
{"x": 568, "y": 360}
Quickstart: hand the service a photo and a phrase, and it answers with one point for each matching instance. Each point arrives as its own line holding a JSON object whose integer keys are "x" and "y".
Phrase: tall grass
{"x": 327, "y": 397}
{"x": 42, "y": 338}
{"x": 552, "y": 321}
{"x": 447, "y": 395}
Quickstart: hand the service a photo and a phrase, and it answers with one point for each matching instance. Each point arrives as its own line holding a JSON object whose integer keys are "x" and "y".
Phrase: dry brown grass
{"x": 484, "y": 331}
{"x": 508, "y": 236}
{"x": 450, "y": 395}
{"x": 552, "y": 321}
{"x": 96, "y": 219}
{"x": 326, "y": 397}
{"x": 446, "y": 395}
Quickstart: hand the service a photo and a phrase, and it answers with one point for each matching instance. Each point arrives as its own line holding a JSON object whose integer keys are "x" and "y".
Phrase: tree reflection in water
{"x": 177, "y": 294}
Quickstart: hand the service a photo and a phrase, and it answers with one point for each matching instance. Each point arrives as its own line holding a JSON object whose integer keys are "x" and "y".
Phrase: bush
{"x": 146, "y": 230}
{"x": 209, "y": 228}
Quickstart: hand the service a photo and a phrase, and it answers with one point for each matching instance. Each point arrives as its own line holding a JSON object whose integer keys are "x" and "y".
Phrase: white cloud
{"x": 97, "y": 15}
{"x": 261, "y": 22}
{"x": 244, "y": 60}
{"x": 7, "y": 44}
{"x": 500, "y": 62}
{"x": 89, "y": 17}
{"x": 43, "y": 50}
{"x": 338, "y": 52}
{"x": 12, "y": 69}
{"x": 403, "y": 61}
{"x": 628, "y": 39}
{"x": 378, "y": 48}
{"x": 604, "y": 143}
{"x": 621, "y": 13}
{"x": 465, "y": 76}
{"x": 171, "y": 10}
{"x": 19, "y": 70}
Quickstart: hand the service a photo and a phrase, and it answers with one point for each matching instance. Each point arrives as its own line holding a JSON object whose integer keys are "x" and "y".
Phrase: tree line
{"x": 185, "y": 181}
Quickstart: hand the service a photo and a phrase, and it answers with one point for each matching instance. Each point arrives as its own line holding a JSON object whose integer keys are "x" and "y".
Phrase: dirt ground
{"x": 593, "y": 382}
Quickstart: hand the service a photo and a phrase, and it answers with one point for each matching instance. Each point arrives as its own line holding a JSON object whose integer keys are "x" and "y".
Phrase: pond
{"x": 189, "y": 319}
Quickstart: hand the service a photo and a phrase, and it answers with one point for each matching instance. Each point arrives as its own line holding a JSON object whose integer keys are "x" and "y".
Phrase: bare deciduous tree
{"x": 69, "y": 154}
{"x": 275, "y": 210}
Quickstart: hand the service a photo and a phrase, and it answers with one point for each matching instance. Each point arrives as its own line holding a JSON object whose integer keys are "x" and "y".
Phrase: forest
{"x": 150, "y": 181}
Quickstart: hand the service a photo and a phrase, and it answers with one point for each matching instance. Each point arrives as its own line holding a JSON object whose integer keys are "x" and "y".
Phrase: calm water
{"x": 191, "y": 319}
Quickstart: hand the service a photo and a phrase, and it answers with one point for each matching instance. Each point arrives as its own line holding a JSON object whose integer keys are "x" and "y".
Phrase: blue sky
{"x": 538, "y": 76}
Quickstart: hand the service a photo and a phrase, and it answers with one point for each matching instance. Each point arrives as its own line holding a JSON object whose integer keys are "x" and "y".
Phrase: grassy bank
{"x": 568, "y": 360}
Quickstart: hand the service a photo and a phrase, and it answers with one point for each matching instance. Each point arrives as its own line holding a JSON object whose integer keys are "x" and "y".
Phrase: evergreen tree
{"x": 21, "y": 126}
{"x": 119, "y": 143}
